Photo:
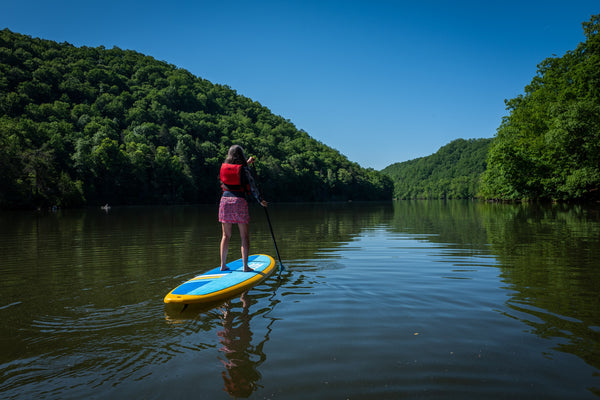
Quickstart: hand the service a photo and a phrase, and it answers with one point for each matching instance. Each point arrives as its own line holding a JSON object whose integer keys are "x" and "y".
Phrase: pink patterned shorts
{"x": 234, "y": 210}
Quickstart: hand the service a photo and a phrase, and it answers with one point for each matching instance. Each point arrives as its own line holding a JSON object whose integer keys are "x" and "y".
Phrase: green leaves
{"x": 451, "y": 173}
{"x": 549, "y": 145}
{"x": 117, "y": 126}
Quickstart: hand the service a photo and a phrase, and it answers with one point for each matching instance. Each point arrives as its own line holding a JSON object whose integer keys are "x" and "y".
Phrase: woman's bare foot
{"x": 248, "y": 269}
{"x": 224, "y": 269}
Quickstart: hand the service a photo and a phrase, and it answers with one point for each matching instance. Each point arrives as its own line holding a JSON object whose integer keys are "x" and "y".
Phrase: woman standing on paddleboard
{"x": 237, "y": 182}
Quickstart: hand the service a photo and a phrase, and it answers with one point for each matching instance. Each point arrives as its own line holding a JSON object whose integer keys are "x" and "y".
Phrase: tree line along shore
{"x": 85, "y": 126}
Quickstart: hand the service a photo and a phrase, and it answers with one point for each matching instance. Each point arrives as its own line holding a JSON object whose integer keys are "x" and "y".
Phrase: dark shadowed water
{"x": 425, "y": 300}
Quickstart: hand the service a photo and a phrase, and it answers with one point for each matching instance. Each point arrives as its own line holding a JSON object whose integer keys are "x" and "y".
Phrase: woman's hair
{"x": 235, "y": 155}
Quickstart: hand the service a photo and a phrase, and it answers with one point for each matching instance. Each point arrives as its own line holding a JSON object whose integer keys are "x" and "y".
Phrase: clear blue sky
{"x": 380, "y": 81}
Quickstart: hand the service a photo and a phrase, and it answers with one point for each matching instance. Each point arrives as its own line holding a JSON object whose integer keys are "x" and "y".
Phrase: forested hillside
{"x": 549, "y": 146}
{"x": 453, "y": 172}
{"x": 93, "y": 125}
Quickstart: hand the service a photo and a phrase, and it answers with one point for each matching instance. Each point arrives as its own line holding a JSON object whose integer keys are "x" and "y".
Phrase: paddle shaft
{"x": 273, "y": 236}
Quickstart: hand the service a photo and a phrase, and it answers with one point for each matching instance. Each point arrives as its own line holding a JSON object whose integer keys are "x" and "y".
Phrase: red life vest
{"x": 231, "y": 178}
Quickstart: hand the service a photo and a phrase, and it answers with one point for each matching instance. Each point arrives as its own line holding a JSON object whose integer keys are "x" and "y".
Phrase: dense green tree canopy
{"x": 549, "y": 145}
{"x": 453, "y": 172}
{"x": 94, "y": 125}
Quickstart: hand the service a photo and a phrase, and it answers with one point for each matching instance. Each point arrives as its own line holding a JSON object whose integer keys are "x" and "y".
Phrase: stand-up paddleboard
{"x": 216, "y": 285}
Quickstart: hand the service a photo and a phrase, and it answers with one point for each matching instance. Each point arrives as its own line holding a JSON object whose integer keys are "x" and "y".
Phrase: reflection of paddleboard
{"x": 216, "y": 285}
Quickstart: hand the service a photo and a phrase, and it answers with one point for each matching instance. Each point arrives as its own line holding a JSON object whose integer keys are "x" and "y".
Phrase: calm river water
{"x": 428, "y": 300}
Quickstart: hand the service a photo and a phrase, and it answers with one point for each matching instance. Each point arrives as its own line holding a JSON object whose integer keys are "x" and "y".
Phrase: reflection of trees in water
{"x": 547, "y": 254}
{"x": 549, "y": 257}
{"x": 454, "y": 221}
{"x": 303, "y": 229}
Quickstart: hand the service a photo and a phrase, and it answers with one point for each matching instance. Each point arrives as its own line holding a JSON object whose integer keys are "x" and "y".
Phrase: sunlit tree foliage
{"x": 453, "y": 172}
{"x": 93, "y": 125}
{"x": 549, "y": 145}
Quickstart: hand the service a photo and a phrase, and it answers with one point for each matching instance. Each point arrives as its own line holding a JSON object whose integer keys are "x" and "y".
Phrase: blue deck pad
{"x": 189, "y": 287}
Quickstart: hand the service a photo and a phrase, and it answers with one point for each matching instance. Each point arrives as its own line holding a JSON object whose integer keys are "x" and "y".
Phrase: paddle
{"x": 274, "y": 242}
{"x": 281, "y": 268}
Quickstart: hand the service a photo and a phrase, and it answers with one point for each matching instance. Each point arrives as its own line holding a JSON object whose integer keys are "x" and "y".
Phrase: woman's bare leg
{"x": 245, "y": 234}
{"x": 225, "y": 245}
